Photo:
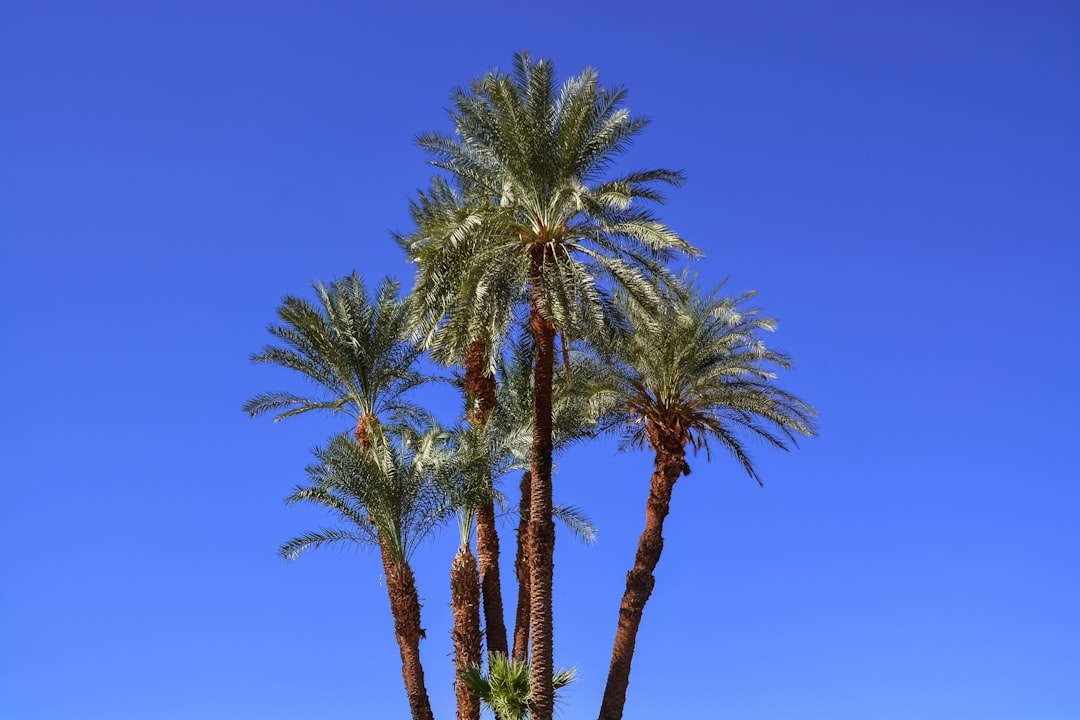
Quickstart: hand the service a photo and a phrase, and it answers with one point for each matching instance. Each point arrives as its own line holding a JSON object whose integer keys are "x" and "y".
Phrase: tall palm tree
{"x": 352, "y": 348}
{"x": 466, "y": 332}
{"x": 689, "y": 371}
{"x": 554, "y": 230}
{"x": 385, "y": 495}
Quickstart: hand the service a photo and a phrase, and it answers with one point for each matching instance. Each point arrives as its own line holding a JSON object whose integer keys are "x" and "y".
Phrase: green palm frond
{"x": 577, "y": 521}
{"x": 325, "y": 536}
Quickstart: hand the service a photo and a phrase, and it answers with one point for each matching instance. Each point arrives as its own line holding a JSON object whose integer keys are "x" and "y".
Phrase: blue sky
{"x": 898, "y": 180}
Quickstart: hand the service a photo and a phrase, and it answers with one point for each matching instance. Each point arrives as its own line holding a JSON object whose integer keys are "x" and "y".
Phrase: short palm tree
{"x": 690, "y": 371}
{"x": 352, "y": 348}
{"x": 505, "y": 688}
{"x": 385, "y": 495}
{"x": 473, "y": 459}
{"x": 547, "y": 226}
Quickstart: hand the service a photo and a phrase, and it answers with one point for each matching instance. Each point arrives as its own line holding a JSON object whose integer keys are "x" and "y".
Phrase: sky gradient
{"x": 898, "y": 180}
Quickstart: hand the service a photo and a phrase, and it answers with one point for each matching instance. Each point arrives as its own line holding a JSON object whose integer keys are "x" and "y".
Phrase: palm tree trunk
{"x": 541, "y": 525}
{"x": 487, "y": 550}
{"x": 669, "y": 463}
{"x": 465, "y": 601}
{"x": 521, "y": 569}
{"x": 480, "y": 396}
{"x": 405, "y": 607}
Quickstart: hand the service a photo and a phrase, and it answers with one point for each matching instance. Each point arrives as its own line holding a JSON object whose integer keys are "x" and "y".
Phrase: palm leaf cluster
{"x": 529, "y": 206}
{"x": 696, "y": 368}
{"x": 505, "y": 688}
{"x": 384, "y": 495}
{"x": 543, "y": 281}
{"x": 351, "y": 347}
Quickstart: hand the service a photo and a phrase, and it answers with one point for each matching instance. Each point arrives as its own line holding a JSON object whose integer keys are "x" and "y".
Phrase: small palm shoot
{"x": 505, "y": 689}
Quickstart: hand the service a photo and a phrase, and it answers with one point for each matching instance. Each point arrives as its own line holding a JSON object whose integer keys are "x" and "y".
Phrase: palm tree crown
{"x": 696, "y": 369}
{"x": 533, "y": 205}
{"x": 352, "y": 347}
{"x": 386, "y": 493}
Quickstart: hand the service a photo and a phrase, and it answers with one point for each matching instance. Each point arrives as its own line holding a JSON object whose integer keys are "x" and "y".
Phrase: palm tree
{"x": 352, "y": 348}
{"x": 467, "y": 332}
{"x": 691, "y": 370}
{"x": 386, "y": 497}
{"x": 546, "y": 226}
{"x": 473, "y": 459}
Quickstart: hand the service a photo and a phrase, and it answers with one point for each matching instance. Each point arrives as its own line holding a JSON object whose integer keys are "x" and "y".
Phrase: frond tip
{"x": 310, "y": 540}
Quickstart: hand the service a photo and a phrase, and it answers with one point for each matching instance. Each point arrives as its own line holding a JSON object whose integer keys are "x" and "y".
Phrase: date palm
{"x": 384, "y": 494}
{"x": 546, "y": 226}
{"x": 352, "y": 348}
{"x": 688, "y": 372}
{"x": 473, "y": 459}
{"x": 463, "y": 331}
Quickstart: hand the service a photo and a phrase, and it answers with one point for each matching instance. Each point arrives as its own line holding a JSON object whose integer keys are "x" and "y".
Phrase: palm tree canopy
{"x": 384, "y": 491}
{"x": 695, "y": 369}
{"x": 452, "y": 305}
{"x": 352, "y": 347}
{"x": 532, "y": 204}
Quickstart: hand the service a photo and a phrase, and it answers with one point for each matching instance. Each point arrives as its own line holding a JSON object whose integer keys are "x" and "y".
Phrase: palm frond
{"x": 577, "y": 521}
{"x": 326, "y": 536}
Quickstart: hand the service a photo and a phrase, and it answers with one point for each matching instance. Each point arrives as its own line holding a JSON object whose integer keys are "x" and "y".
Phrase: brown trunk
{"x": 669, "y": 463}
{"x": 480, "y": 402}
{"x": 479, "y": 385}
{"x": 541, "y": 526}
{"x": 465, "y": 603}
{"x": 405, "y": 607}
{"x": 521, "y": 569}
{"x": 487, "y": 551}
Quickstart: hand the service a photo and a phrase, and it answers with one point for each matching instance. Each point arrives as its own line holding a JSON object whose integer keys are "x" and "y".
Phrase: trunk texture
{"x": 669, "y": 463}
{"x": 521, "y": 570}
{"x": 541, "y": 526}
{"x": 487, "y": 550}
{"x": 405, "y": 607}
{"x": 465, "y": 603}
{"x": 480, "y": 398}
{"x": 479, "y": 385}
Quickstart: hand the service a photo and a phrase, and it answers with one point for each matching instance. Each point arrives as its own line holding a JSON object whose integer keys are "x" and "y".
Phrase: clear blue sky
{"x": 899, "y": 180}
